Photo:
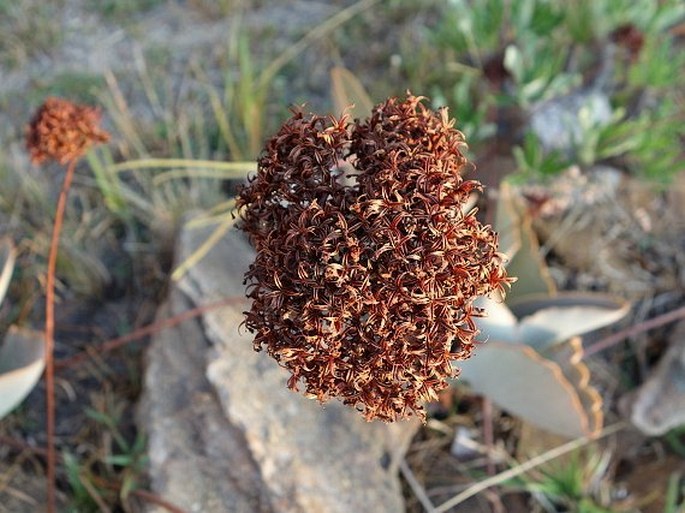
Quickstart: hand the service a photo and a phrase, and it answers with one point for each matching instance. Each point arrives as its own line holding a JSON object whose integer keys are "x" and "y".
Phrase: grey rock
{"x": 225, "y": 434}
{"x": 659, "y": 404}
{"x": 559, "y": 123}
{"x": 198, "y": 460}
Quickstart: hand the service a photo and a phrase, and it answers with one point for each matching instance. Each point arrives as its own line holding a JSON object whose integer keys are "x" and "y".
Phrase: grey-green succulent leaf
{"x": 548, "y": 320}
{"x": 530, "y": 361}
{"x": 507, "y": 222}
{"x": 519, "y": 243}
{"x": 22, "y": 359}
{"x": 499, "y": 323}
{"x": 517, "y": 379}
{"x": 7, "y": 259}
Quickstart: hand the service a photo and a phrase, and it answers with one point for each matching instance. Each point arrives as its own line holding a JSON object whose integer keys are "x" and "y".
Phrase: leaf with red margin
{"x": 7, "y": 259}
{"x": 551, "y": 394}
{"x": 22, "y": 359}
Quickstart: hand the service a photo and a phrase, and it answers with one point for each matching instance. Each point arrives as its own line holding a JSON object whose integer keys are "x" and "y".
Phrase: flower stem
{"x": 50, "y": 335}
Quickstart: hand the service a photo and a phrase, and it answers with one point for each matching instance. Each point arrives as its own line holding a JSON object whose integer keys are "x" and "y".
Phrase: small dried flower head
{"x": 363, "y": 283}
{"x": 63, "y": 131}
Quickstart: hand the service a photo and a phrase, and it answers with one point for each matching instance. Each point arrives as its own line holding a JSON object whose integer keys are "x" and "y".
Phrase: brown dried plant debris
{"x": 363, "y": 283}
{"x": 63, "y": 131}
{"x": 630, "y": 38}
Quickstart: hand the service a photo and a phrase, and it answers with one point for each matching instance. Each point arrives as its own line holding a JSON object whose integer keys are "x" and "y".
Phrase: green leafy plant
{"x": 578, "y": 484}
{"x": 95, "y": 480}
{"x": 240, "y": 108}
{"x": 469, "y": 107}
{"x": 128, "y": 460}
{"x": 538, "y": 71}
{"x": 472, "y": 28}
{"x": 649, "y": 16}
{"x": 522, "y": 54}
{"x": 540, "y": 18}
{"x": 532, "y": 160}
{"x": 657, "y": 65}
{"x": 675, "y": 494}
{"x": 476, "y": 32}
{"x": 84, "y": 494}
{"x": 648, "y": 143}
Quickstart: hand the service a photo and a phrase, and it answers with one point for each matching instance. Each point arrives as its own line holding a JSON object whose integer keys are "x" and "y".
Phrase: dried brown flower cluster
{"x": 63, "y": 131}
{"x": 363, "y": 283}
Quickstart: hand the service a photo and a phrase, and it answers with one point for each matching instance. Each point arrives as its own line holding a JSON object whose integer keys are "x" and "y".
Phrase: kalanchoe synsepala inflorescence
{"x": 363, "y": 282}
{"x": 63, "y": 131}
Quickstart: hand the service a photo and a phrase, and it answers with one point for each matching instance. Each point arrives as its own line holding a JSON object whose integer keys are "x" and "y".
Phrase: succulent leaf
{"x": 524, "y": 383}
{"x": 531, "y": 361}
{"x": 22, "y": 359}
{"x": 519, "y": 243}
{"x": 507, "y": 222}
{"x": 529, "y": 267}
{"x": 7, "y": 259}
{"x": 569, "y": 357}
{"x": 545, "y": 320}
{"x": 499, "y": 323}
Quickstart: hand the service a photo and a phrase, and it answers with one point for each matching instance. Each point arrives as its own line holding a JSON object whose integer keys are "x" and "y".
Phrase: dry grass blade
{"x": 349, "y": 93}
{"x": 330, "y": 24}
{"x": 121, "y": 114}
{"x": 175, "y": 174}
{"x": 154, "y": 499}
{"x": 525, "y": 467}
{"x": 635, "y": 330}
{"x": 132, "y": 165}
{"x": 145, "y": 331}
{"x": 205, "y": 248}
{"x": 416, "y": 487}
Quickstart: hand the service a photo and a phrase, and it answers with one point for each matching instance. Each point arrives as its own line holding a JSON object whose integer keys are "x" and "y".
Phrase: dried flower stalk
{"x": 61, "y": 131}
{"x": 363, "y": 283}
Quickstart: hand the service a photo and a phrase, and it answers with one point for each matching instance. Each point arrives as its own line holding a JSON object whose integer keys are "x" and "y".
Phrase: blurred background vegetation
{"x": 547, "y": 92}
